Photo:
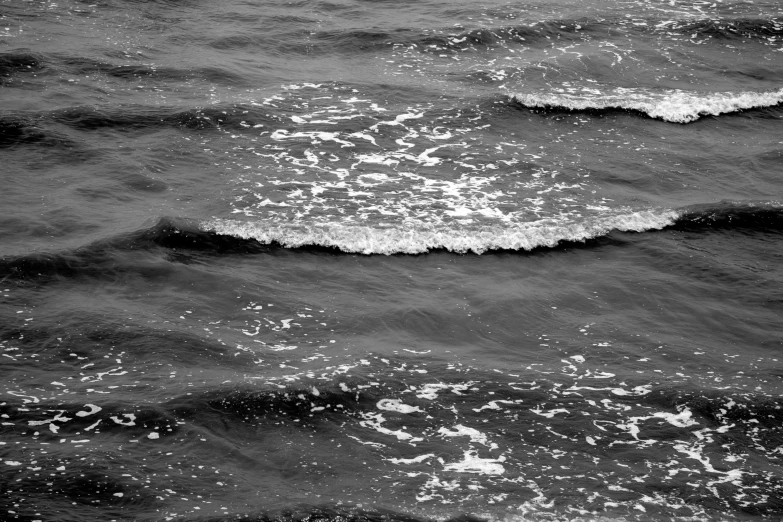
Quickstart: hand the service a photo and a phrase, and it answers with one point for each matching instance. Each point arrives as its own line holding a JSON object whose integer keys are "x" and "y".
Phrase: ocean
{"x": 391, "y": 261}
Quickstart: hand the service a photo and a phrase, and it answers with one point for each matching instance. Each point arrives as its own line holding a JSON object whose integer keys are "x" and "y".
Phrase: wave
{"x": 33, "y": 127}
{"x": 24, "y": 61}
{"x": 522, "y": 237}
{"x": 364, "y": 239}
{"x": 675, "y": 106}
{"x": 183, "y": 238}
{"x": 185, "y": 234}
{"x": 97, "y": 259}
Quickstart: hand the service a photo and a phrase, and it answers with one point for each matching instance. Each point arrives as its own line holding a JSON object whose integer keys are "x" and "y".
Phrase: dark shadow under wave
{"x": 738, "y": 216}
{"x": 185, "y": 234}
{"x": 25, "y": 131}
{"x": 134, "y": 71}
{"x": 142, "y": 117}
{"x": 52, "y": 128}
{"x": 22, "y": 61}
{"x": 98, "y": 259}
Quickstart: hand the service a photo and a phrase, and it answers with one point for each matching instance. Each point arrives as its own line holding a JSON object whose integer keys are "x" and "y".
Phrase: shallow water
{"x": 391, "y": 260}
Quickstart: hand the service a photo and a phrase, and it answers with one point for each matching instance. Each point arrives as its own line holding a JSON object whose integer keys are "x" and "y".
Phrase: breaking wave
{"x": 226, "y": 237}
{"x": 675, "y": 106}
{"x": 365, "y": 239}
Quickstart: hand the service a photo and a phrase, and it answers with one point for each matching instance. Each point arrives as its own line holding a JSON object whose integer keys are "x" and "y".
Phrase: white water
{"x": 455, "y": 238}
{"x": 675, "y": 106}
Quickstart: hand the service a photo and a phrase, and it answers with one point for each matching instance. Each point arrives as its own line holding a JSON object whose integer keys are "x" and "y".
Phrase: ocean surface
{"x": 391, "y": 261}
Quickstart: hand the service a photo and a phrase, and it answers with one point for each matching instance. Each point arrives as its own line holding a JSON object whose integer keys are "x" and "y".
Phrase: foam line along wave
{"x": 366, "y": 239}
{"x": 675, "y": 106}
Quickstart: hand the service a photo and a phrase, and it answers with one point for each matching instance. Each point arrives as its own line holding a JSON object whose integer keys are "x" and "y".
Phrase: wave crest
{"x": 365, "y": 239}
{"x": 675, "y": 106}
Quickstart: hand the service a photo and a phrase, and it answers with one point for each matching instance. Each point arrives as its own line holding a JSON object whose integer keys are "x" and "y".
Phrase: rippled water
{"x": 409, "y": 261}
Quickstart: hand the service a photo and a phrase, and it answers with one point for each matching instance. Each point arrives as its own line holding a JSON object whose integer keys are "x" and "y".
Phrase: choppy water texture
{"x": 373, "y": 261}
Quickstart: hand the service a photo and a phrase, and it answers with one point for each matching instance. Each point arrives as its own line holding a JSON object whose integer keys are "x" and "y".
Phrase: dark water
{"x": 368, "y": 260}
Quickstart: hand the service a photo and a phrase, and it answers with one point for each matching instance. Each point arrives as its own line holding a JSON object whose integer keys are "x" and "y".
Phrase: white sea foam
{"x": 419, "y": 239}
{"x": 465, "y": 431}
{"x": 472, "y": 463}
{"x": 375, "y": 421}
{"x": 414, "y": 460}
{"x": 396, "y": 405}
{"x": 93, "y": 409}
{"x": 430, "y": 391}
{"x": 676, "y": 106}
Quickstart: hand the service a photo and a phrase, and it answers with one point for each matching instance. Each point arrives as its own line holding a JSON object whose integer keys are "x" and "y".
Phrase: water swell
{"x": 52, "y": 63}
{"x": 40, "y": 128}
{"x": 674, "y": 106}
{"x": 98, "y": 259}
{"x": 134, "y": 72}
